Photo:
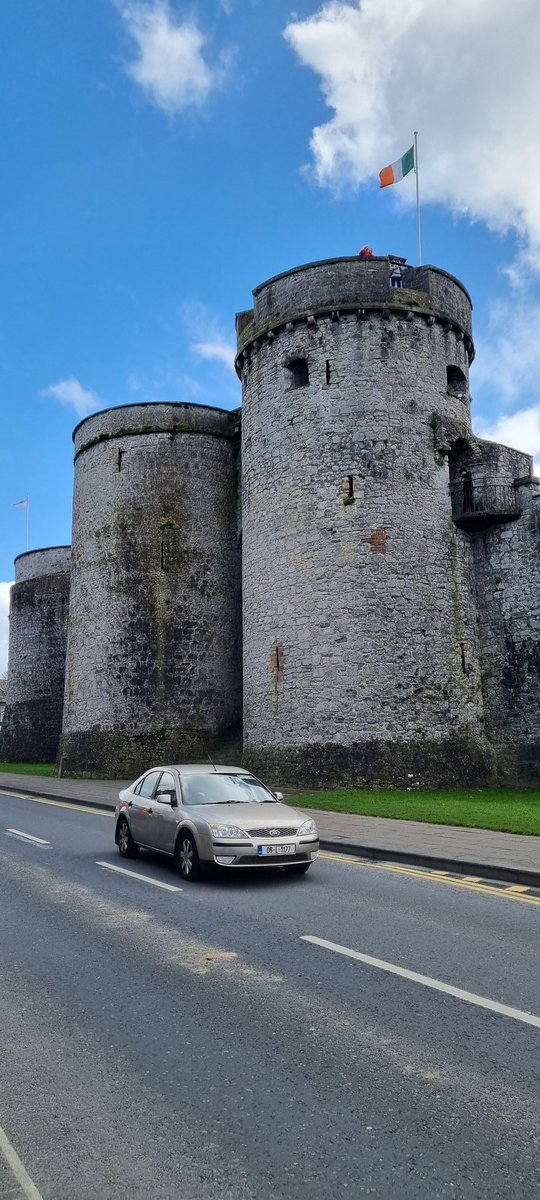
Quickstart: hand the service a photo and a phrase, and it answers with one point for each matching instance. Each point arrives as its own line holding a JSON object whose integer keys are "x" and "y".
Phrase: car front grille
{"x": 276, "y": 832}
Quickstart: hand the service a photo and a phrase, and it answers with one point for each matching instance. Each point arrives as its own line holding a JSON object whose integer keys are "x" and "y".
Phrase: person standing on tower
{"x": 467, "y": 490}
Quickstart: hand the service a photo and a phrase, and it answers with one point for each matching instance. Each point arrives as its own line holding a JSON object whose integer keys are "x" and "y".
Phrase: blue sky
{"x": 161, "y": 159}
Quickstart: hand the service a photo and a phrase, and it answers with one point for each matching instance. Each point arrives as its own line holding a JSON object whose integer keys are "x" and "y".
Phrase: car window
{"x": 166, "y": 784}
{"x": 137, "y": 787}
{"x": 148, "y": 784}
{"x": 209, "y": 787}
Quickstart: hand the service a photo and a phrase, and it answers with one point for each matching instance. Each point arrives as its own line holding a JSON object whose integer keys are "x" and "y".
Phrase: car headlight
{"x": 228, "y": 831}
{"x": 307, "y": 827}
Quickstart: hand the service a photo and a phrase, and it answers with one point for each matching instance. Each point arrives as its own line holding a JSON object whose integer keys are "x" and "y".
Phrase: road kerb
{"x": 496, "y": 871}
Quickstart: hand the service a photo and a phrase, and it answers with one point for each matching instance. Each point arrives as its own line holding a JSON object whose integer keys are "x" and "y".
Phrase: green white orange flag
{"x": 397, "y": 170}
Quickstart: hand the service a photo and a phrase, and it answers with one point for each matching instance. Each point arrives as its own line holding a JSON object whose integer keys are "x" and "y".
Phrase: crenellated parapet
{"x": 353, "y": 288}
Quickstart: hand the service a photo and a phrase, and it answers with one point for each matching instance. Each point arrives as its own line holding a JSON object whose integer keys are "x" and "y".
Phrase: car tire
{"x": 300, "y": 868}
{"x": 127, "y": 848}
{"x": 186, "y": 857}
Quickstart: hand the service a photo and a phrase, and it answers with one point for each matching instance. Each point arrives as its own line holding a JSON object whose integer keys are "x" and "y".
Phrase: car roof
{"x": 199, "y": 768}
{"x": 217, "y": 769}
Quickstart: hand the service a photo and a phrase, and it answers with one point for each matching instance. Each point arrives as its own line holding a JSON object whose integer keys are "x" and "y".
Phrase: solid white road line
{"x": 15, "y": 1165}
{"x": 28, "y": 837}
{"x": 167, "y": 887}
{"x": 480, "y": 1001}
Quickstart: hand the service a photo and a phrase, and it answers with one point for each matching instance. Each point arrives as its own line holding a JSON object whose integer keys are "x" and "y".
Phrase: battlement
{"x": 339, "y": 285}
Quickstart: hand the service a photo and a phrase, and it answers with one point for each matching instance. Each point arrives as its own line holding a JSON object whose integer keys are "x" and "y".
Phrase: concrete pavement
{"x": 514, "y": 858}
{"x": 220, "y": 1040}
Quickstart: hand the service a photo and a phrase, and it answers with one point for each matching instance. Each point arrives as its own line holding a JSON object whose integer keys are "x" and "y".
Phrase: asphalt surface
{"x": 190, "y": 1044}
{"x": 512, "y": 857}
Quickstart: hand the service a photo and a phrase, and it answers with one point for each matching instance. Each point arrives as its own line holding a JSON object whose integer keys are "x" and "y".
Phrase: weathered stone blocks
{"x": 153, "y": 665}
{"x": 350, "y": 558}
{"x": 38, "y": 623}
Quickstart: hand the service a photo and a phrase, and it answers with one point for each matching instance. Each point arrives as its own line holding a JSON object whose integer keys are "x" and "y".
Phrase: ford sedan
{"x": 206, "y": 816}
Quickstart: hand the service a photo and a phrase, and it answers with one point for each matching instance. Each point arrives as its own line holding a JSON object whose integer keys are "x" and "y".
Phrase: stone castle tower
{"x": 391, "y": 614}
{"x": 154, "y": 654}
{"x": 38, "y": 624}
{"x": 369, "y": 611}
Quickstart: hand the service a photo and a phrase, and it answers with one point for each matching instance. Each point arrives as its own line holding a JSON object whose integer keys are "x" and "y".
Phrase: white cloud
{"x": 172, "y": 65}
{"x": 71, "y": 393}
{"x": 505, "y": 374}
{"x": 464, "y": 74}
{"x": 521, "y": 430}
{"x": 208, "y": 340}
{"x": 508, "y": 351}
{"x": 218, "y": 349}
{"x": 4, "y": 626}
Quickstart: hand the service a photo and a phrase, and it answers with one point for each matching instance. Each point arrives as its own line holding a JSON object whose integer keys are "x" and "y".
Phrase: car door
{"x": 165, "y": 813}
{"x": 141, "y": 813}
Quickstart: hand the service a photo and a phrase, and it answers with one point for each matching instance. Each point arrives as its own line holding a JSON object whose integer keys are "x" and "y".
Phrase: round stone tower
{"x": 154, "y": 662}
{"x": 361, "y": 658}
{"x": 38, "y": 621}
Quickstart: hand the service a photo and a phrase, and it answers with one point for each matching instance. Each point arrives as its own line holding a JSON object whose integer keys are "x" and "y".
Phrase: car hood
{"x": 250, "y": 816}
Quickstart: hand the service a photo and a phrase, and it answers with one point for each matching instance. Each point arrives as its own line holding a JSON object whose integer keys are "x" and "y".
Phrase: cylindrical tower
{"x": 154, "y": 662}
{"x": 360, "y": 650}
{"x": 38, "y": 620}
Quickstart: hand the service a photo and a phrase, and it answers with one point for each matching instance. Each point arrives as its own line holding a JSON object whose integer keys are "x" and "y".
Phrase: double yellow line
{"x": 473, "y": 883}
{"x": 80, "y": 808}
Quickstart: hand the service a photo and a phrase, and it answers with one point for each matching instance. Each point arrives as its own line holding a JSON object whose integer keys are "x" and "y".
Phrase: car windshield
{"x": 213, "y": 788}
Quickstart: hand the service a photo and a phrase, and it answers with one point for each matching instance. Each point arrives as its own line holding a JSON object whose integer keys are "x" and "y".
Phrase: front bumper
{"x": 245, "y": 854}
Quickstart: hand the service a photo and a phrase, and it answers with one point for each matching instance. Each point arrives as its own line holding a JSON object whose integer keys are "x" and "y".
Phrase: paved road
{"x": 188, "y": 1044}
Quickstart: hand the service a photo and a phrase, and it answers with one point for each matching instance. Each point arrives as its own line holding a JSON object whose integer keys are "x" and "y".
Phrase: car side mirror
{"x": 278, "y": 795}
{"x": 168, "y": 797}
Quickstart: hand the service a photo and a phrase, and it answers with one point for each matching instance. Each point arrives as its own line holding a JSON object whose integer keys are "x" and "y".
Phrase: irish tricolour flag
{"x": 397, "y": 170}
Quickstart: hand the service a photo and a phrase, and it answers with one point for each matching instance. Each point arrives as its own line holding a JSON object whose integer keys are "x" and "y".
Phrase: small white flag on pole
{"x": 24, "y": 504}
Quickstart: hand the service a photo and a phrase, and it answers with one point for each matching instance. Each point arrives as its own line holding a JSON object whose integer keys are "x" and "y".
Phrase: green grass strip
{"x": 510, "y": 810}
{"x": 10, "y": 768}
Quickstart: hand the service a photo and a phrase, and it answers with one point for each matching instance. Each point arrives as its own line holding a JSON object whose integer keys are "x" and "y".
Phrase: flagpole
{"x": 27, "y": 520}
{"x": 418, "y": 233}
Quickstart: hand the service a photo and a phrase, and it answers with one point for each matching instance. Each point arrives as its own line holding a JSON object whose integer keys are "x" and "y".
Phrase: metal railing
{"x": 484, "y": 503}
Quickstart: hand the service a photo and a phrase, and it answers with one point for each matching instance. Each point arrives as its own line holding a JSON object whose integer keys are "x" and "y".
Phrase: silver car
{"x": 181, "y": 811}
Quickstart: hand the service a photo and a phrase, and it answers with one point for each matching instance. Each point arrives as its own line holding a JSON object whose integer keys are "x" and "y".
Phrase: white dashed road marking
{"x": 27, "y": 837}
{"x": 167, "y": 887}
{"x": 16, "y": 1167}
{"x": 436, "y": 984}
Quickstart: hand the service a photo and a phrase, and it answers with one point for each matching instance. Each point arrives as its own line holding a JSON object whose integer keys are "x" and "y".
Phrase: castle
{"x": 342, "y": 561}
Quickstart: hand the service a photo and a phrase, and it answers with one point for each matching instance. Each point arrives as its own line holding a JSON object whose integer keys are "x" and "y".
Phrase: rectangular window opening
{"x": 351, "y": 487}
{"x": 328, "y": 373}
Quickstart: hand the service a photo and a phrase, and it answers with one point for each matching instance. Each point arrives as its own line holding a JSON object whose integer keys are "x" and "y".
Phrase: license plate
{"x": 265, "y": 851}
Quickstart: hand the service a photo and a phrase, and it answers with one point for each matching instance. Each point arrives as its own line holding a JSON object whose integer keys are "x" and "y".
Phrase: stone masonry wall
{"x": 507, "y": 573}
{"x": 356, "y": 603}
{"x": 38, "y": 619}
{"x": 154, "y": 665}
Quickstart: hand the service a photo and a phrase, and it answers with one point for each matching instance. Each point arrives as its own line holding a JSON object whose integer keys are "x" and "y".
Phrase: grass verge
{"x": 10, "y": 768}
{"x": 509, "y": 810}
